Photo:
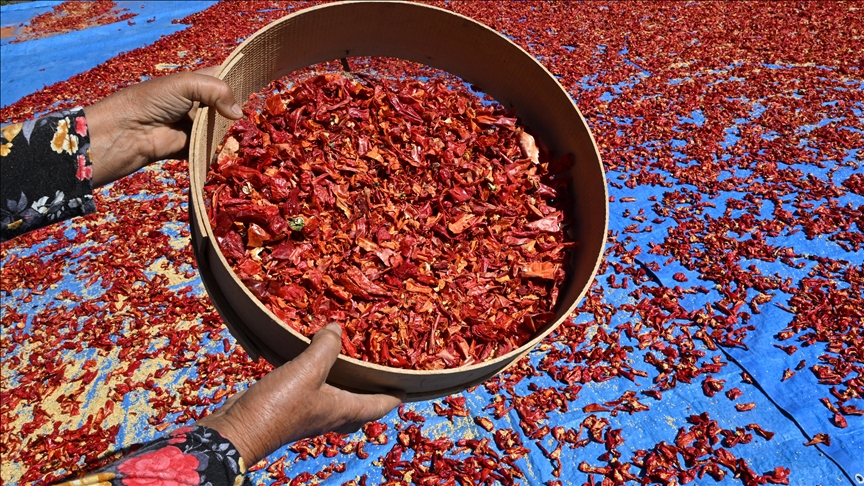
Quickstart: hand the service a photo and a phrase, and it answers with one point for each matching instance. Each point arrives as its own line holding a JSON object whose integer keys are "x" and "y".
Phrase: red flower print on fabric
{"x": 81, "y": 126}
{"x": 167, "y": 465}
{"x": 84, "y": 171}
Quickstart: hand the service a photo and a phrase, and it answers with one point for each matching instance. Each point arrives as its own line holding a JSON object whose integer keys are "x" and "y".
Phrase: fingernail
{"x": 236, "y": 110}
{"x": 335, "y": 328}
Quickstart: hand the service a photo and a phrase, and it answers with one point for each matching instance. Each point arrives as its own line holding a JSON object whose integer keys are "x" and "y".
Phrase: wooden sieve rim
{"x": 441, "y": 39}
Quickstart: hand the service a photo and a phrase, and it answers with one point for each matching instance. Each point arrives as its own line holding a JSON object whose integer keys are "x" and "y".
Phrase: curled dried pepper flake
{"x": 484, "y": 422}
{"x": 375, "y": 432}
{"x": 820, "y": 438}
{"x": 394, "y": 199}
{"x": 455, "y": 407}
{"x": 760, "y": 431}
{"x": 851, "y": 410}
{"x": 780, "y": 475}
{"x": 594, "y": 407}
{"x": 839, "y": 421}
{"x": 732, "y": 438}
{"x": 787, "y": 349}
{"x": 710, "y": 386}
{"x": 409, "y": 415}
{"x": 734, "y": 393}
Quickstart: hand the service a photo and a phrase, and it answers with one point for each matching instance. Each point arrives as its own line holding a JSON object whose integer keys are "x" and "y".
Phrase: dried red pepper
{"x": 424, "y": 222}
{"x": 71, "y": 16}
{"x": 743, "y": 407}
{"x": 820, "y": 438}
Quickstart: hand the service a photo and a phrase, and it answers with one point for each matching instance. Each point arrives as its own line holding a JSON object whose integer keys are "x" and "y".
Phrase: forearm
{"x": 114, "y": 148}
{"x": 51, "y": 165}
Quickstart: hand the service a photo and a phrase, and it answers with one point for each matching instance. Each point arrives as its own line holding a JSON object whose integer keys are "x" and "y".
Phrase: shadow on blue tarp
{"x": 32, "y": 65}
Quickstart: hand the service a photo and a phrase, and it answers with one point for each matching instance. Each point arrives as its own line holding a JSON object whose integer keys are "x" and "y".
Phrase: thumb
{"x": 211, "y": 91}
{"x": 321, "y": 354}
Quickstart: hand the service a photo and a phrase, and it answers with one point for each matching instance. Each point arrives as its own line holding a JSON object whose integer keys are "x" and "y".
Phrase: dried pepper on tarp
{"x": 428, "y": 224}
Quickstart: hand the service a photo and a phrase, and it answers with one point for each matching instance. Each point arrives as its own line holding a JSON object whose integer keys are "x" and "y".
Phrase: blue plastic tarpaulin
{"x": 29, "y": 66}
{"x": 790, "y": 408}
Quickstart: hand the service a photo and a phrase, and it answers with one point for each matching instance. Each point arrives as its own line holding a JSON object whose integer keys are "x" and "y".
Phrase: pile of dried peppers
{"x": 428, "y": 224}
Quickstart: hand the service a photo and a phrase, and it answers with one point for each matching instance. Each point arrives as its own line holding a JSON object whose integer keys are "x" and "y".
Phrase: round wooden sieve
{"x": 440, "y": 39}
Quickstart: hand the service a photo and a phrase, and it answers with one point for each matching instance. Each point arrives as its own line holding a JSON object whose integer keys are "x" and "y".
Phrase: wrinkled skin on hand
{"x": 294, "y": 402}
{"x": 151, "y": 121}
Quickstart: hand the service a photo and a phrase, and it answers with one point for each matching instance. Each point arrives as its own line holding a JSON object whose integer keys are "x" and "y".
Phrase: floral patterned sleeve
{"x": 45, "y": 171}
{"x": 46, "y": 177}
{"x": 189, "y": 456}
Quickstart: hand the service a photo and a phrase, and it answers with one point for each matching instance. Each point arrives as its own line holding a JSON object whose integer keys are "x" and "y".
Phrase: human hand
{"x": 293, "y": 402}
{"x": 151, "y": 121}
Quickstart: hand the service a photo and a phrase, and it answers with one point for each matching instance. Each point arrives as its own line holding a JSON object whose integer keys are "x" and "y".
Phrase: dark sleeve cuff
{"x": 45, "y": 171}
{"x": 189, "y": 456}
